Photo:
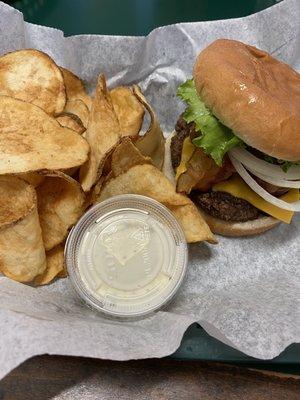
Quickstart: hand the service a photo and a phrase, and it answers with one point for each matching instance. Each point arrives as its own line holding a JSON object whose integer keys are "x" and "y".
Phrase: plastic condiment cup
{"x": 127, "y": 256}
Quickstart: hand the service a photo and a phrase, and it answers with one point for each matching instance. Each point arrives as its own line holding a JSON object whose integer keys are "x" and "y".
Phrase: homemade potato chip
{"x": 71, "y": 171}
{"x": 93, "y": 194}
{"x": 129, "y": 110}
{"x": 75, "y": 87}
{"x": 63, "y": 273}
{"x": 55, "y": 265}
{"x": 103, "y": 133}
{"x": 106, "y": 164}
{"x": 146, "y": 180}
{"x": 106, "y": 174}
{"x": 125, "y": 156}
{"x": 22, "y": 253}
{"x": 71, "y": 121}
{"x": 152, "y": 144}
{"x": 61, "y": 202}
{"x": 78, "y": 108}
{"x": 193, "y": 224}
{"x": 32, "y": 76}
{"x": 149, "y": 181}
{"x": 33, "y": 178}
{"x": 31, "y": 140}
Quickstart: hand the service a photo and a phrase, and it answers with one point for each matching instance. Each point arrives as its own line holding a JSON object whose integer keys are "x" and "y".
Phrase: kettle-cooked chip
{"x": 152, "y": 144}
{"x": 125, "y": 156}
{"x": 61, "y": 202}
{"x": 193, "y": 224}
{"x": 63, "y": 273}
{"x": 149, "y": 181}
{"x": 55, "y": 265}
{"x": 71, "y": 121}
{"x": 129, "y": 110}
{"x": 22, "y": 253}
{"x": 103, "y": 134}
{"x": 33, "y": 178}
{"x": 32, "y": 76}
{"x": 79, "y": 108}
{"x": 31, "y": 140}
{"x": 146, "y": 180}
{"x": 75, "y": 87}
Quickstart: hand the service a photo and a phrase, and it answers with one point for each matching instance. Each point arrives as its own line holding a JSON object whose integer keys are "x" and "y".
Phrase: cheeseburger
{"x": 236, "y": 148}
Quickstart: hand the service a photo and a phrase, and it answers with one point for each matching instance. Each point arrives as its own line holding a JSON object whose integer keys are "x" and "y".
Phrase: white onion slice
{"x": 260, "y": 191}
{"x": 277, "y": 182}
{"x": 263, "y": 167}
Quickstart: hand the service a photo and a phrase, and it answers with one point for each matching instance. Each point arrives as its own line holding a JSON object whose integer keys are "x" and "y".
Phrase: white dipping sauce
{"x": 127, "y": 256}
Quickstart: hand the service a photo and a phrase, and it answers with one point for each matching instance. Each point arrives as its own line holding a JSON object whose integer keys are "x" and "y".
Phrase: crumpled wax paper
{"x": 242, "y": 291}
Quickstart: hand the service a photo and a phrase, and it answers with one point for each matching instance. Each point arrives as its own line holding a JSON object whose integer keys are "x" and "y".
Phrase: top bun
{"x": 252, "y": 93}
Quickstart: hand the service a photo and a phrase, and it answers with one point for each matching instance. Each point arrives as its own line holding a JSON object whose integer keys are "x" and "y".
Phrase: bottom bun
{"x": 249, "y": 228}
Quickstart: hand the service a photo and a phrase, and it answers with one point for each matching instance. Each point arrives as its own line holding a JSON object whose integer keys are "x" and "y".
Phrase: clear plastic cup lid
{"x": 127, "y": 256}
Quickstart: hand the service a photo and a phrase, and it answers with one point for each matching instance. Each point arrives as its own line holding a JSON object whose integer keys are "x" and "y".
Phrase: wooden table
{"x": 72, "y": 378}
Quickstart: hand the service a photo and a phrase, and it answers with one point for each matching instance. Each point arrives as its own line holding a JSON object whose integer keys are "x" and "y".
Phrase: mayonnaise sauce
{"x": 130, "y": 258}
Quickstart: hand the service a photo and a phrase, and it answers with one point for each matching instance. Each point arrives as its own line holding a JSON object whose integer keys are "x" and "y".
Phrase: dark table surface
{"x": 72, "y": 378}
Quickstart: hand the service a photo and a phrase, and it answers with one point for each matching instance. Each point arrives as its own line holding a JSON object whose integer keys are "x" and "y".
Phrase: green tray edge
{"x": 196, "y": 344}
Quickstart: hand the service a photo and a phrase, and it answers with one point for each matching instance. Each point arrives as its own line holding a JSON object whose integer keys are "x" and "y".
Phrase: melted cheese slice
{"x": 186, "y": 154}
{"x": 238, "y": 188}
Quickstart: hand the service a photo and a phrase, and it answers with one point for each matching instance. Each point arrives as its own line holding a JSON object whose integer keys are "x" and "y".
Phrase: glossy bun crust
{"x": 252, "y": 93}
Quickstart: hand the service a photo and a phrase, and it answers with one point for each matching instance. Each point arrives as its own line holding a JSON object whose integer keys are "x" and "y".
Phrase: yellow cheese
{"x": 186, "y": 154}
{"x": 238, "y": 188}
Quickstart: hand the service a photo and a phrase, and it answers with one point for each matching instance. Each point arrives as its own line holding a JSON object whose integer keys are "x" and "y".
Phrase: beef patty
{"x": 218, "y": 204}
{"x": 183, "y": 130}
{"x": 227, "y": 207}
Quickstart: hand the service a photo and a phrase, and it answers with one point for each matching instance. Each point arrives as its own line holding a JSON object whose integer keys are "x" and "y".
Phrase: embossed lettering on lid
{"x": 127, "y": 256}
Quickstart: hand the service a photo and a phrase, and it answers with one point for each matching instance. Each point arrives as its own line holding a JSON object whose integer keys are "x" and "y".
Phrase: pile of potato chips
{"x": 62, "y": 151}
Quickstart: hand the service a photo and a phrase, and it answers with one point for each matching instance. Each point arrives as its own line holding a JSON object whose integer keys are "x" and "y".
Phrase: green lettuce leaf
{"x": 214, "y": 138}
{"x": 285, "y": 165}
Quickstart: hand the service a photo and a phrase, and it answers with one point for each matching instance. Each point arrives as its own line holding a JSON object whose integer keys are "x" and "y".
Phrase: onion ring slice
{"x": 263, "y": 167}
{"x": 241, "y": 170}
{"x": 277, "y": 182}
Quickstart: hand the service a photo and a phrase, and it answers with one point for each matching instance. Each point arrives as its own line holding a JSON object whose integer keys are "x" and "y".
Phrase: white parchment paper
{"x": 244, "y": 291}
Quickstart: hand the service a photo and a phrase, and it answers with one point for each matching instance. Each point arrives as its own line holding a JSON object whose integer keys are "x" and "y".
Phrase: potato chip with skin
{"x": 106, "y": 164}
{"x": 78, "y": 108}
{"x": 64, "y": 272}
{"x": 129, "y": 110}
{"x": 145, "y": 180}
{"x": 152, "y": 144}
{"x": 106, "y": 174}
{"x": 93, "y": 194}
{"x": 31, "y": 140}
{"x": 22, "y": 252}
{"x": 33, "y": 178}
{"x": 75, "y": 87}
{"x": 32, "y": 76}
{"x": 61, "y": 202}
{"x": 193, "y": 224}
{"x": 71, "y": 172}
{"x": 71, "y": 121}
{"x": 125, "y": 156}
{"x": 103, "y": 134}
{"x": 149, "y": 181}
{"x": 55, "y": 266}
